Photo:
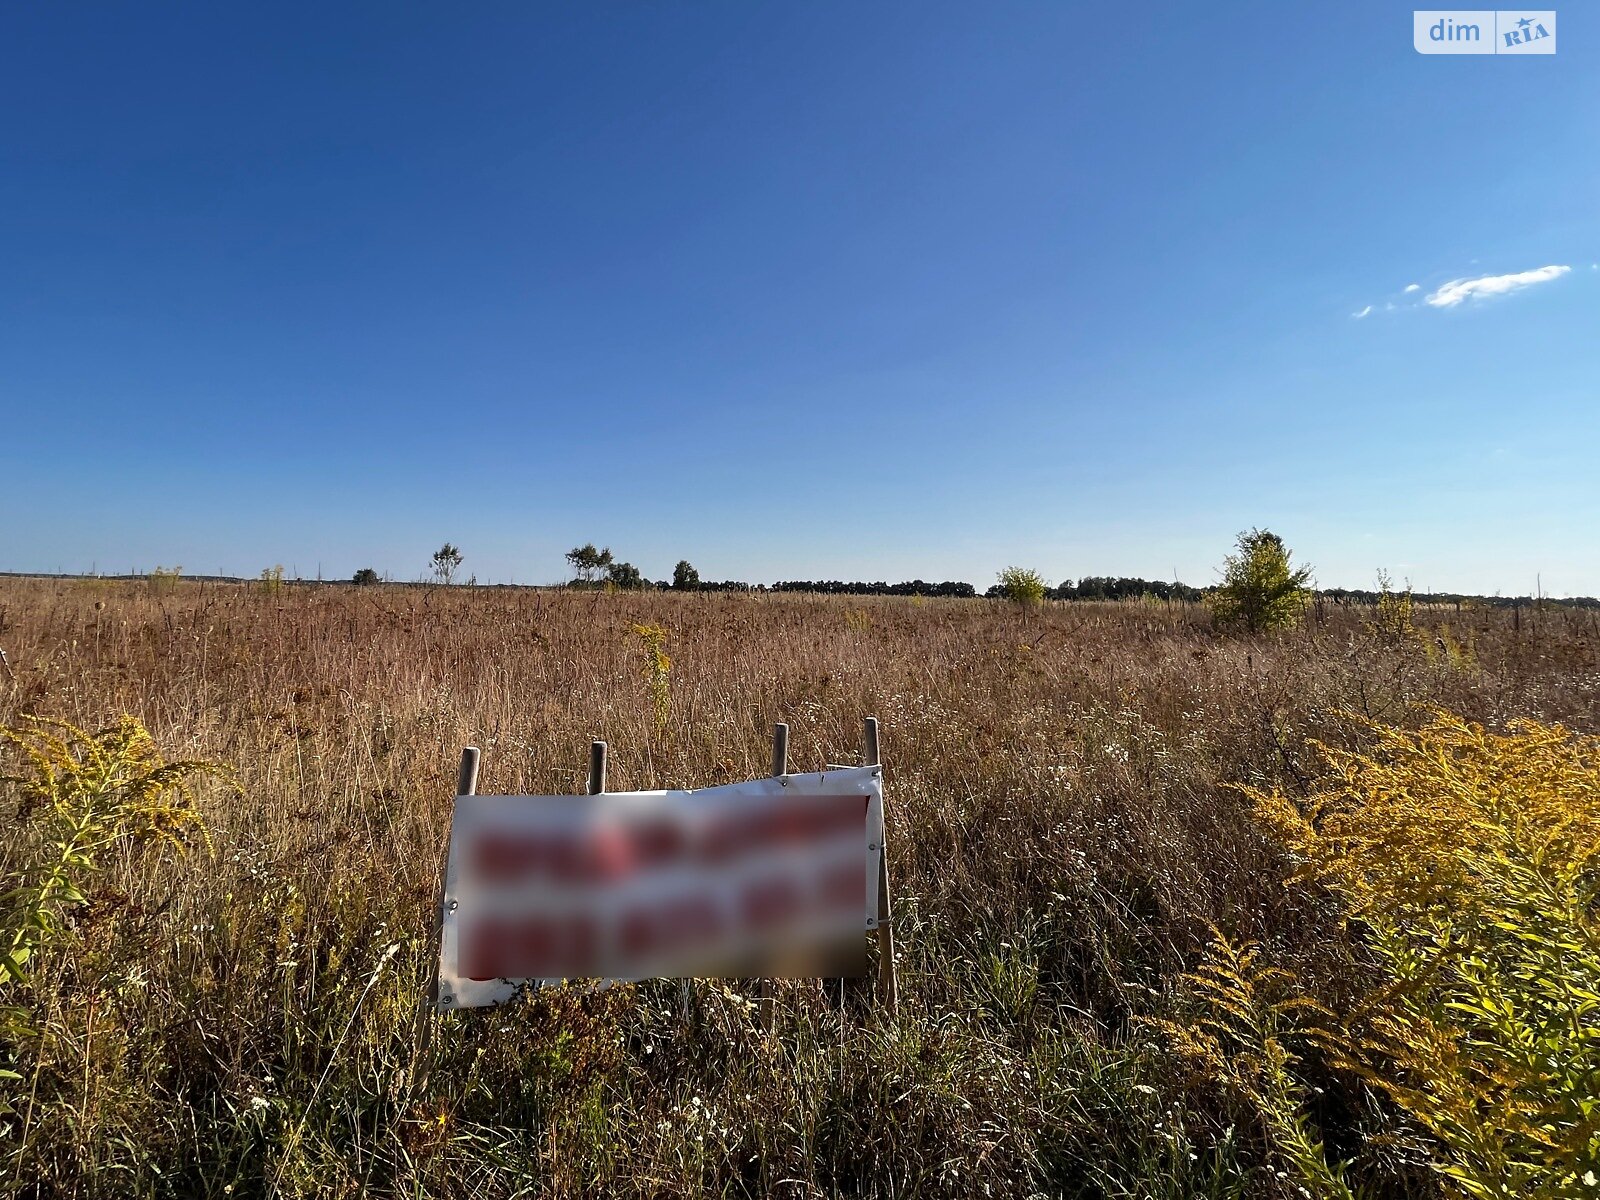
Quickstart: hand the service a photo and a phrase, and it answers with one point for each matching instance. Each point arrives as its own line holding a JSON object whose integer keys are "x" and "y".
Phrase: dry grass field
{"x": 242, "y": 1016}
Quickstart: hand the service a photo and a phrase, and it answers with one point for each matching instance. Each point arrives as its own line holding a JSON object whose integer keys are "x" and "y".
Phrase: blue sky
{"x": 796, "y": 291}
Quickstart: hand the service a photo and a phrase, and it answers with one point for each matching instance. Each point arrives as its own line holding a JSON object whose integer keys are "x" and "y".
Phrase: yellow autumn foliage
{"x": 82, "y": 794}
{"x": 1246, "y": 1027}
{"x": 1470, "y": 864}
{"x": 657, "y": 670}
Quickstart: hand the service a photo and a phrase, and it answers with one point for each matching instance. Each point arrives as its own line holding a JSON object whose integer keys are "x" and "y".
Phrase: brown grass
{"x": 1062, "y": 839}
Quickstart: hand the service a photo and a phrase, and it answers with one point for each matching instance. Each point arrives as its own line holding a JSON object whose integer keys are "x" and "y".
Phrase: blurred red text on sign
{"x": 774, "y": 877}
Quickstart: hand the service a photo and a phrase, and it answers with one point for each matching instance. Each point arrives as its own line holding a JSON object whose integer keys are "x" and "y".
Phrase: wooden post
{"x": 780, "y": 750}
{"x": 780, "y": 768}
{"x": 467, "y": 777}
{"x": 597, "y": 768}
{"x": 888, "y": 985}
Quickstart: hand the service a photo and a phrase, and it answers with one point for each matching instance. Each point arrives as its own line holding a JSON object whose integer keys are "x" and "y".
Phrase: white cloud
{"x": 1459, "y": 290}
{"x": 1413, "y": 287}
{"x": 1362, "y": 313}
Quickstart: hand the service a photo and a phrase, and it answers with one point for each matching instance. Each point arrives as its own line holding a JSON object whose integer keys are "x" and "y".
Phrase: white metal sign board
{"x": 775, "y": 877}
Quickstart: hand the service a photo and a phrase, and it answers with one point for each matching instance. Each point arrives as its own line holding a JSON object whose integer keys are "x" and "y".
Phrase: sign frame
{"x": 452, "y": 992}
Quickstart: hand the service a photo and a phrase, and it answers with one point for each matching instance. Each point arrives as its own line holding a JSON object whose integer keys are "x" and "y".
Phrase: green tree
{"x": 588, "y": 563}
{"x": 685, "y": 576}
{"x": 364, "y": 577}
{"x": 1022, "y": 586}
{"x": 445, "y": 561}
{"x": 1260, "y": 588}
{"x": 624, "y": 575}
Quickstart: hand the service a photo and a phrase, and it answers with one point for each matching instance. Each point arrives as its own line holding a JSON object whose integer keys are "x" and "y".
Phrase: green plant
{"x": 1392, "y": 625}
{"x": 365, "y": 577}
{"x": 271, "y": 580}
{"x": 164, "y": 579}
{"x": 684, "y": 576}
{"x": 587, "y": 563}
{"x": 82, "y": 795}
{"x": 1471, "y": 862}
{"x": 657, "y": 668}
{"x": 1245, "y": 1031}
{"x": 1260, "y": 589}
{"x": 1460, "y": 654}
{"x": 625, "y": 576}
{"x": 1022, "y": 586}
{"x": 445, "y": 561}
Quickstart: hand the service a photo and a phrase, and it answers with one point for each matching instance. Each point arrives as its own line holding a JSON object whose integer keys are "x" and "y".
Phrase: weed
{"x": 657, "y": 670}
{"x": 1247, "y": 1017}
{"x": 1392, "y": 625}
{"x": 82, "y": 796}
{"x": 1470, "y": 861}
{"x": 164, "y": 579}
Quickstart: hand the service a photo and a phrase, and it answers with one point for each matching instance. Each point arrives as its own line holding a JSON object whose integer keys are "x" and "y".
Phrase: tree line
{"x": 1259, "y": 587}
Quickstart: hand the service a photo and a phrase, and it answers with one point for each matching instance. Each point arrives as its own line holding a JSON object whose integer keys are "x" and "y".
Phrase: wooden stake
{"x": 888, "y": 984}
{"x": 780, "y": 768}
{"x": 597, "y": 768}
{"x": 780, "y": 750}
{"x": 467, "y": 777}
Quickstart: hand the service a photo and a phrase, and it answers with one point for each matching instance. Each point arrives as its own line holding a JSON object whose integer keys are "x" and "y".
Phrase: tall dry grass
{"x": 1064, "y": 837}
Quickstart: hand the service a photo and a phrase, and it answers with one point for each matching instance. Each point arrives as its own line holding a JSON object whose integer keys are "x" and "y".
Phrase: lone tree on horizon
{"x": 445, "y": 561}
{"x": 1022, "y": 586}
{"x": 684, "y": 576}
{"x": 1260, "y": 590}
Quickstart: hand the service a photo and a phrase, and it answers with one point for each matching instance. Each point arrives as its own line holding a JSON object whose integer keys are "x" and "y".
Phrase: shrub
{"x": 1245, "y": 1029}
{"x": 365, "y": 577}
{"x": 1471, "y": 862}
{"x": 1393, "y": 625}
{"x": 82, "y": 795}
{"x": 164, "y": 579}
{"x": 657, "y": 668}
{"x": 1259, "y": 589}
{"x": 624, "y": 575}
{"x": 1022, "y": 586}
